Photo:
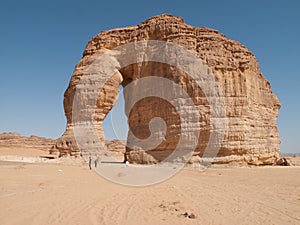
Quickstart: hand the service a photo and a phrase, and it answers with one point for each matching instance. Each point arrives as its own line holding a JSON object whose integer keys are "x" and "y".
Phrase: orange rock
{"x": 251, "y": 107}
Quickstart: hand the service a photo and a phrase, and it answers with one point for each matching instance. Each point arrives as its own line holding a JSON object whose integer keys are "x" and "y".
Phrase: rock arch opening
{"x": 115, "y": 124}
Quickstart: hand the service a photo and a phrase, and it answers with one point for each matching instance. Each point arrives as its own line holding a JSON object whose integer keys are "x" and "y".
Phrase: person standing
{"x": 96, "y": 162}
{"x": 90, "y": 162}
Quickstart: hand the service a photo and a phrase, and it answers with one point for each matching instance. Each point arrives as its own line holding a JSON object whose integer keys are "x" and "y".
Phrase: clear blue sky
{"x": 41, "y": 42}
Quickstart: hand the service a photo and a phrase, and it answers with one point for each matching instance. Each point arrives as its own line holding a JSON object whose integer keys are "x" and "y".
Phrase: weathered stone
{"x": 283, "y": 162}
{"x": 251, "y": 107}
{"x": 116, "y": 149}
{"x": 16, "y": 140}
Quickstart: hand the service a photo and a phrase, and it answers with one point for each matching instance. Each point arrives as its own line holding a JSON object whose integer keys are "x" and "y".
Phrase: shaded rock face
{"x": 251, "y": 107}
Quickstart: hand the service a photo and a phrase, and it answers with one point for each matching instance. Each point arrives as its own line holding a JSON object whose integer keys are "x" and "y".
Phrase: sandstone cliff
{"x": 251, "y": 107}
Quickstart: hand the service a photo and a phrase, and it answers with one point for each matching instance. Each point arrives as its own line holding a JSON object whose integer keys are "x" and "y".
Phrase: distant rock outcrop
{"x": 251, "y": 107}
{"x": 116, "y": 149}
{"x": 12, "y": 139}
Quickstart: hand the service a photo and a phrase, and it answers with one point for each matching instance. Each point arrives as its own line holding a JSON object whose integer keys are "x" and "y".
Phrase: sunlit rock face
{"x": 251, "y": 108}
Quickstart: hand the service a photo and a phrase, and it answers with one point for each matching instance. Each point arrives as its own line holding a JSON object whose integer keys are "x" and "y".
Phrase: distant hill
{"x": 11, "y": 139}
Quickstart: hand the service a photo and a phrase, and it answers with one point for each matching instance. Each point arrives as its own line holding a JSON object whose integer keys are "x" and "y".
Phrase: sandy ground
{"x": 67, "y": 192}
{"x": 21, "y": 151}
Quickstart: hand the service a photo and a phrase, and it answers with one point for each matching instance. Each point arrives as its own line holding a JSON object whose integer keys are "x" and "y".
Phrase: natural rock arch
{"x": 251, "y": 107}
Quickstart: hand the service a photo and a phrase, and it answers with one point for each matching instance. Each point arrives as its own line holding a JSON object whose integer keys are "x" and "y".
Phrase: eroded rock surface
{"x": 116, "y": 149}
{"x": 11, "y": 140}
{"x": 251, "y": 107}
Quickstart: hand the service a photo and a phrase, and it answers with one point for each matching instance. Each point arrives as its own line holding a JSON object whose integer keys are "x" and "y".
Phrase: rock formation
{"x": 251, "y": 107}
{"x": 116, "y": 148}
{"x": 10, "y": 140}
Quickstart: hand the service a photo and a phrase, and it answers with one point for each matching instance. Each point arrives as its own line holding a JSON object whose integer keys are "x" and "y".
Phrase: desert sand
{"x": 65, "y": 191}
